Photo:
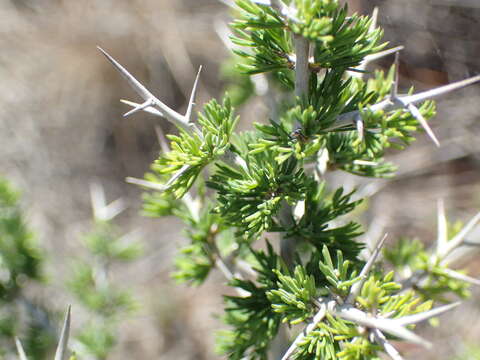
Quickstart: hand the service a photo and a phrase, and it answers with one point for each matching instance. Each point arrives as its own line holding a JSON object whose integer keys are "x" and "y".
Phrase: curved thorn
{"x": 192, "y": 96}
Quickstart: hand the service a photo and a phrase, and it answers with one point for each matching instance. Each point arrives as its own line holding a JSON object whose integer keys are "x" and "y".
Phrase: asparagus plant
{"x": 257, "y": 204}
{"x": 21, "y": 263}
{"x": 91, "y": 281}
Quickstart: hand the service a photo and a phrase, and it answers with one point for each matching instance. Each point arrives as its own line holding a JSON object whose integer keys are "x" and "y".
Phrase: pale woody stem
{"x": 302, "y": 72}
{"x": 302, "y": 75}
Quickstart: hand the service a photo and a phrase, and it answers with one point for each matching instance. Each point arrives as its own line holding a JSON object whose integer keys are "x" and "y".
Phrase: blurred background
{"x": 61, "y": 128}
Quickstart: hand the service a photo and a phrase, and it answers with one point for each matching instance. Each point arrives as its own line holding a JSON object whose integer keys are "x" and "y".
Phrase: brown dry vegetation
{"x": 61, "y": 127}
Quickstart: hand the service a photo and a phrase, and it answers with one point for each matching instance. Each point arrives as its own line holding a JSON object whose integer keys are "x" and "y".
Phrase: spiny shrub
{"x": 234, "y": 189}
{"x": 92, "y": 283}
{"x": 21, "y": 262}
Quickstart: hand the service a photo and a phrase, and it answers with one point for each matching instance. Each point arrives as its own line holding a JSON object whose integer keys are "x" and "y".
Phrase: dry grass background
{"x": 61, "y": 128}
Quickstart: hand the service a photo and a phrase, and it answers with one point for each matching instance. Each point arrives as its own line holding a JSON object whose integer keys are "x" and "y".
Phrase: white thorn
{"x": 134, "y": 83}
{"x": 114, "y": 209}
{"x": 363, "y": 65}
{"x": 191, "y": 102}
{"x": 347, "y": 119}
{"x": 372, "y": 57}
{"x": 373, "y": 24}
{"x": 459, "y": 238}
{"x": 145, "y": 183}
{"x": 179, "y": 173}
{"x": 385, "y": 325}
{"x": 360, "y": 127}
{"x": 20, "y": 350}
{"x": 365, "y": 162}
{"x": 357, "y": 287}
{"x": 102, "y": 211}
{"x": 150, "y": 109}
{"x": 418, "y": 115}
{"x": 380, "y": 54}
{"x": 162, "y": 140}
{"x": 323, "y": 158}
{"x": 97, "y": 199}
{"x": 316, "y": 320}
{"x": 387, "y": 346}
{"x": 146, "y": 95}
{"x": 416, "y": 318}
{"x": 156, "y": 186}
{"x": 462, "y": 277}
{"x": 193, "y": 204}
{"x": 394, "y": 88}
{"x": 140, "y": 107}
{"x": 62, "y": 348}
{"x": 440, "y": 90}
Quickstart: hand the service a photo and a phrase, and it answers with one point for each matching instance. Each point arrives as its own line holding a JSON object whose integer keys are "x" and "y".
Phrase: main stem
{"x": 302, "y": 76}
{"x": 302, "y": 72}
{"x": 287, "y": 245}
